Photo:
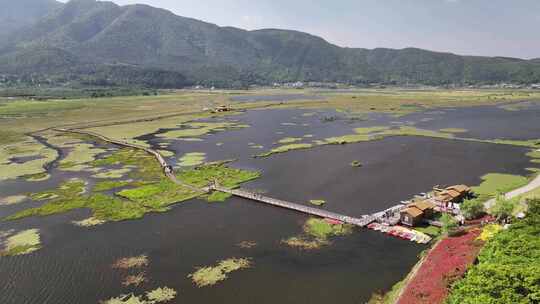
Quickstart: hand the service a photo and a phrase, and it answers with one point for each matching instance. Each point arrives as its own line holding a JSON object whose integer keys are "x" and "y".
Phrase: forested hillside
{"x": 84, "y": 40}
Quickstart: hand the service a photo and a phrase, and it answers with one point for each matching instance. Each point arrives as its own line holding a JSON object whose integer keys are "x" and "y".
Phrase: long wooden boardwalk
{"x": 362, "y": 222}
{"x": 162, "y": 162}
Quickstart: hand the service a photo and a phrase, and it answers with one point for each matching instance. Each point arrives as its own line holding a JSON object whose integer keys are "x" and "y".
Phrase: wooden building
{"x": 416, "y": 212}
{"x": 453, "y": 194}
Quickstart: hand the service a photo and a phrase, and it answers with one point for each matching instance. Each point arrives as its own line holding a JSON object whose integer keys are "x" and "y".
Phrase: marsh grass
{"x": 211, "y": 275}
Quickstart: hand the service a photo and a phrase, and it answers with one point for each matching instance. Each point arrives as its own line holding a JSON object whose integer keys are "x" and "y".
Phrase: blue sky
{"x": 471, "y": 27}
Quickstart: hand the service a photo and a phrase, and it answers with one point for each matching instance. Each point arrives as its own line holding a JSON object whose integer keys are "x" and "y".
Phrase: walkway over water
{"x": 362, "y": 222}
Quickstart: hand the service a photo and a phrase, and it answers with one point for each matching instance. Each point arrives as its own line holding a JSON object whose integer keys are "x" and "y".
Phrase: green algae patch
{"x": 224, "y": 175}
{"x": 192, "y": 159}
{"x": 211, "y": 275}
{"x": 317, "y": 202}
{"x": 196, "y": 129}
{"x": 13, "y": 200}
{"x": 453, "y": 130}
{"x": 285, "y": 148}
{"x": 496, "y": 183}
{"x": 21, "y": 243}
{"x": 39, "y": 154}
{"x": 289, "y": 140}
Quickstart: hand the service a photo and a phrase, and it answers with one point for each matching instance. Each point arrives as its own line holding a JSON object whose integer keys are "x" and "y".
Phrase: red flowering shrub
{"x": 444, "y": 264}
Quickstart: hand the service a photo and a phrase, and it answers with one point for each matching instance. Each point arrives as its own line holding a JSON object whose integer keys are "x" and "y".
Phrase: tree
{"x": 502, "y": 209}
{"x": 472, "y": 209}
{"x": 449, "y": 223}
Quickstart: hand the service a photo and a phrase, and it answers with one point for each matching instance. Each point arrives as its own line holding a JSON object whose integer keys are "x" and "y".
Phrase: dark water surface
{"x": 74, "y": 265}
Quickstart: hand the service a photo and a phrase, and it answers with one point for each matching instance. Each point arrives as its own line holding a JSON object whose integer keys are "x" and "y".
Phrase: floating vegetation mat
{"x": 12, "y": 200}
{"x": 208, "y": 276}
{"x": 196, "y": 129}
{"x": 381, "y": 132}
{"x": 247, "y": 244}
{"x": 36, "y": 157}
{"x": 158, "y": 295}
{"x": 454, "y": 130}
{"x": 289, "y": 140}
{"x": 192, "y": 159}
{"x": 147, "y": 191}
{"x": 134, "y": 280}
{"x": 89, "y": 222}
{"x": 317, "y": 233}
{"x": 317, "y": 202}
{"x": 20, "y": 243}
{"x": 132, "y": 262}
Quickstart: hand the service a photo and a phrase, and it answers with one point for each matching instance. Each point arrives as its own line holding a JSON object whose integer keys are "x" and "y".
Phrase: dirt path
{"x": 535, "y": 183}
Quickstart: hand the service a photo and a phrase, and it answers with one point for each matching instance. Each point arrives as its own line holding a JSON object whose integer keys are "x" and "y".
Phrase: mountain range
{"x": 101, "y": 43}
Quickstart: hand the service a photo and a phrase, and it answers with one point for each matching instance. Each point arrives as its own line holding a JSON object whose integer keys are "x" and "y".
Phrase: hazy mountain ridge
{"x": 84, "y": 35}
{"x": 18, "y": 14}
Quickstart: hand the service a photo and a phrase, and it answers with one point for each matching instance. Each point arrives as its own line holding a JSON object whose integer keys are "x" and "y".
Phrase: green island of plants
{"x": 381, "y": 132}
{"x": 149, "y": 191}
{"x": 20, "y": 243}
{"x": 317, "y": 233}
{"x": 211, "y": 275}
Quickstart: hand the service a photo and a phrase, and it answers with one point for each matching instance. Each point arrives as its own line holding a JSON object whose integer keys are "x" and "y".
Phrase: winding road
{"x": 535, "y": 183}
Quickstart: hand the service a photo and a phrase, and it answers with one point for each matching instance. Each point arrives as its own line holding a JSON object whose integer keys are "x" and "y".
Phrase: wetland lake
{"x": 74, "y": 264}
